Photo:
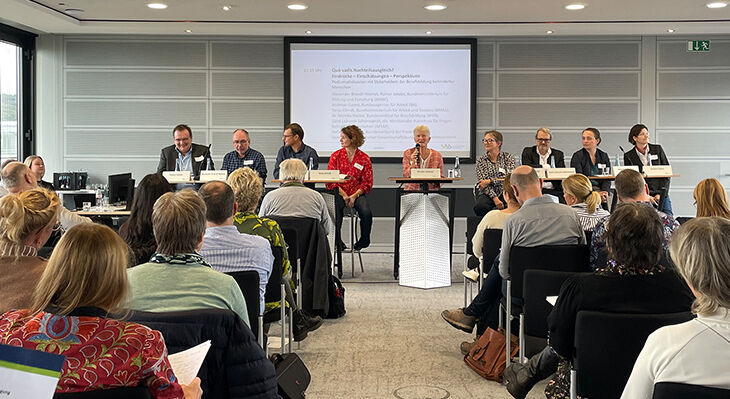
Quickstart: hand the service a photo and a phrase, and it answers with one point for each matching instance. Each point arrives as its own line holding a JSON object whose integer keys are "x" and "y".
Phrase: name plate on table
{"x": 426, "y": 173}
{"x": 661, "y": 170}
{"x": 541, "y": 172}
{"x": 213, "y": 175}
{"x": 176, "y": 176}
{"x": 559, "y": 173}
{"x": 333, "y": 174}
{"x": 618, "y": 169}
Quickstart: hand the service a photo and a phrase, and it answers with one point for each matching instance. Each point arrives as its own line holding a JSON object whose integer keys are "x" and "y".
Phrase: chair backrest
{"x": 290, "y": 236}
{"x": 589, "y": 235}
{"x": 675, "y": 390}
{"x": 471, "y": 228}
{"x": 683, "y": 219}
{"x": 490, "y": 247}
{"x": 560, "y": 258}
{"x": 536, "y": 286}
{"x": 113, "y": 393}
{"x": 248, "y": 282}
{"x": 607, "y": 345}
{"x": 273, "y": 289}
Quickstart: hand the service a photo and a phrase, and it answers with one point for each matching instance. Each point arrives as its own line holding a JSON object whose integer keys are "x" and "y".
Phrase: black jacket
{"x": 168, "y": 156}
{"x": 235, "y": 367}
{"x": 632, "y": 158}
{"x": 581, "y": 161}
{"x": 532, "y": 158}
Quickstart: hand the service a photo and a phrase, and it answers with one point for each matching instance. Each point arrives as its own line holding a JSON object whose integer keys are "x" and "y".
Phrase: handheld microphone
{"x": 418, "y": 154}
{"x": 621, "y": 148}
{"x": 209, "y": 161}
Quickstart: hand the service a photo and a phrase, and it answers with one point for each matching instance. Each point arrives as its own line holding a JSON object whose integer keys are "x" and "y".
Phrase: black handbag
{"x": 292, "y": 375}
{"x": 336, "y": 298}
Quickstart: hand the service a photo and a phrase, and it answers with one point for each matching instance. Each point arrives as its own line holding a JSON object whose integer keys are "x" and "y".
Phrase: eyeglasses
{"x": 288, "y": 135}
{"x": 240, "y": 141}
{"x": 543, "y": 140}
{"x": 643, "y": 134}
{"x": 486, "y": 141}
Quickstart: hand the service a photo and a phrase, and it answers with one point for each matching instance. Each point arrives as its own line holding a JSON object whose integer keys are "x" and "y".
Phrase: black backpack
{"x": 336, "y": 298}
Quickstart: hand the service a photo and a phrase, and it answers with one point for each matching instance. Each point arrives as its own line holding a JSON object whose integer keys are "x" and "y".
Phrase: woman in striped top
{"x": 580, "y": 196}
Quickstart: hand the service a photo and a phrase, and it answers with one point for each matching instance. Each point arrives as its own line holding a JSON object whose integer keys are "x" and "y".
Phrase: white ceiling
{"x": 371, "y": 18}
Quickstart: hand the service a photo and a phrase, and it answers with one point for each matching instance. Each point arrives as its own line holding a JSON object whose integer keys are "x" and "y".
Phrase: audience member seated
{"x": 84, "y": 281}
{"x": 634, "y": 281}
{"x": 224, "y": 247}
{"x": 539, "y": 221}
{"x": 422, "y": 157}
{"x": 490, "y": 168}
{"x": 4, "y": 191}
{"x": 494, "y": 219}
{"x": 293, "y": 199}
{"x": 695, "y": 352}
{"x": 26, "y": 221}
{"x": 176, "y": 277}
{"x": 137, "y": 230}
{"x": 354, "y": 163}
{"x": 630, "y": 187}
{"x": 711, "y": 199}
{"x": 541, "y": 155}
{"x": 36, "y": 165}
{"x": 591, "y": 161}
{"x": 580, "y": 196}
{"x": 645, "y": 154}
{"x": 17, "y": 178}
{"x": 247, "y": 190}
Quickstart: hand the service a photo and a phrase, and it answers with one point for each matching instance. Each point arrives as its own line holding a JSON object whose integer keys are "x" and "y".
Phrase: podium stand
{"x": 423, "y": 234}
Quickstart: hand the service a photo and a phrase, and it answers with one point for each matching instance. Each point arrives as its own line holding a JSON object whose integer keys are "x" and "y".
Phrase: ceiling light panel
{"x": 157, "y": 6}
{"x": 575, "y": 6}
{"x": 717, "y": 4}
{"x": 435, "y": 7}
{"x": 297, "y": 7}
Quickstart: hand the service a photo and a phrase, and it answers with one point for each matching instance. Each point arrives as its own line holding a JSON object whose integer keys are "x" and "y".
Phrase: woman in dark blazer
{"x": 644, "y": 154}
{"x": 590, "y": 161}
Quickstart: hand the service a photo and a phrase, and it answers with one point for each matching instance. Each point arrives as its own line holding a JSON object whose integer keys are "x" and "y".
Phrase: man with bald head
{"x": 244, "y": 156}
{"x": 540, "y": 221}
{"x": 17, "y": 177}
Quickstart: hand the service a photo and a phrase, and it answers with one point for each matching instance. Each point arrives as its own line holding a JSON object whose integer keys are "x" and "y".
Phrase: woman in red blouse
{"x": 350, "y": 161}
{"x": 85, "y": 279}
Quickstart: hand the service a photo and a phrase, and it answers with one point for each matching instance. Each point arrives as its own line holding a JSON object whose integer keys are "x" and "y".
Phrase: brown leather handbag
{"x": 487, "y": 356}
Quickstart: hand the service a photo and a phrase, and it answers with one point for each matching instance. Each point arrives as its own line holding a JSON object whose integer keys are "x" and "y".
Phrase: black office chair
{"x": 675, "y": 390}
{"x": 563, "y": 258}
{"x": 683, "y": 219}
{"x": 537, "y": 286}
{"x": 276, "y": 292}
{"x": 290, "y": 236}
{"x": 607, "y": 345}
{"x": 248, "y": 282}
{"x": 589, "y": 236}
{"x": 470, "y": 259}
{"x": 112, "y": 393}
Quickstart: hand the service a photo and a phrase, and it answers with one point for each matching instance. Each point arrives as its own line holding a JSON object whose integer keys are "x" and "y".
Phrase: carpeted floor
{"x": 393, "y": 343}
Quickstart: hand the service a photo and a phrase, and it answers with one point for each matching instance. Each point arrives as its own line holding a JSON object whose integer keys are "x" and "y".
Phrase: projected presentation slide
{"x": 386, "y": 90}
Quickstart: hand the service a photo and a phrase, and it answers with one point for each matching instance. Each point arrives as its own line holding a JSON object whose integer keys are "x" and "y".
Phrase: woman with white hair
{"x": 421, "y": 157}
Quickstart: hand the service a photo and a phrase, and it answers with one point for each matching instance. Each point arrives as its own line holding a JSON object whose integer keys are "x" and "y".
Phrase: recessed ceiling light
{"x": 717, "y": 4}
{"x": 549, "y": 32}
{"x": 74, "y": 11}
{"x": 157, "y": 6}
{"x": 297, "y": 7}
{"x": 227, "y": 8}
{"x": 670, "y": 30}
{"x": 428, "y": 32}
{"x": 308, "y": 32}
{"x": 188, "y": 31}
{"x": 575, "y": 6}
{"x": 435, "y": 7}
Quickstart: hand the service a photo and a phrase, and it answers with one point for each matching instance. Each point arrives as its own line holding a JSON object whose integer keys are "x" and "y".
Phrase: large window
{"x": 16, "y": 93}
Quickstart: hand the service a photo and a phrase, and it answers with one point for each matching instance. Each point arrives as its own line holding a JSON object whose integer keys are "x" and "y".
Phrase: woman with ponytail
{"x": 580, "y": 196}
{"x": 27, "y": 219}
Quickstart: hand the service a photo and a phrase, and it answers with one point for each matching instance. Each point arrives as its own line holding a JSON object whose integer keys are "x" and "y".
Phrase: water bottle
{"x": 457, "y": 167}
{"x": 552, "y": 162}
{"x": 618, "y": 160}
{"x": 310, "y": 166}
{"x": 209, "y": 163}
{"x": 99, "y": 195}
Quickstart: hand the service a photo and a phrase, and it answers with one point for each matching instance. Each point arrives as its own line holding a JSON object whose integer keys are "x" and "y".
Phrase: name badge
{"x": 213, "y": 175}
{"x": 662, "y": 170}
{"x": 426, "y": 173}
{"x": 654, "y": 157}
{"x": 601, "y": 166}
{"x": 501, "y": 170}
{"x": 357, "y": 165}
{"x": 618, "y": 169}
{"x": 541, "y": 172}
{"x": 177, "y": 176}
{"x": 248, "y": 162}
{"x": 199, "y": 159}
{"x": 332, "y": 175}
{"x": 559, "y": 173}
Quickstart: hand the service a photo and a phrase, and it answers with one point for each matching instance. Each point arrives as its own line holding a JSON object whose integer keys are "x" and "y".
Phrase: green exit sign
{"x": 698, "y": 45}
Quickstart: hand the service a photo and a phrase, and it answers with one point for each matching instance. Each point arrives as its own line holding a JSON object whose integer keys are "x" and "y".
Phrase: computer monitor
{"x": 119, "y": 188}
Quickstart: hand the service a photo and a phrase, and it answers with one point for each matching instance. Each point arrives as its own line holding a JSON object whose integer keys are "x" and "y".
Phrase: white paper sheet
{"x": 551, "y": 299}
{"x": 186, "y": 364}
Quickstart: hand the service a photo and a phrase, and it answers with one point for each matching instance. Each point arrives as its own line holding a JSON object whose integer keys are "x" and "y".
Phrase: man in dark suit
{"x": 184, "y": 155}
{"x": 541, "y": 155}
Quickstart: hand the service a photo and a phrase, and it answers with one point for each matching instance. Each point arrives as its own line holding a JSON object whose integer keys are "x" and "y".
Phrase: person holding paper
{"x": 84, "y": 281}
{"x": 541, "y": 155}
{"x": 645, "y": 154}
{"x": 356, "y": 165}
{"x": 294, "y": 147}
{"x": 244, "y": 155}
{"x": 184, "y": 154}
{"x": 591, "y": 161}
{"x": 491, "y": 168}
{"x": 421, "y": 157}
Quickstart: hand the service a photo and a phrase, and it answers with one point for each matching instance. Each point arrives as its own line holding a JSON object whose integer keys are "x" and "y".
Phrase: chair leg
{"x": 261, "y": 331}
{"x": 299, "y": 286}
{"x": 466, "y": 281}
{"x": 508, "y": 323}
{"x": 283, "y": 318}
{"x": 352, "y": 243}
{"x": 522, "y": 338}
{"x": 501, "y": 317}
{"x": 291, "y": 329}
{"x": 573, "y": 384}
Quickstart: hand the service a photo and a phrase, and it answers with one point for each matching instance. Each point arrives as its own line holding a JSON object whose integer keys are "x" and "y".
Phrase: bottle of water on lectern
{"x": 618, "y": 160}
{"x": 99, "y": 195}
{"x": 457, "y": 167}
{"x": 209, "y": 163}
{"x": 310, "y": 166}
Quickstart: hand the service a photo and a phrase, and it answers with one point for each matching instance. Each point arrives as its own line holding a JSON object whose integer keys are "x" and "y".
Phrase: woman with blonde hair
{"x": 27, "y": 219}
{"x": 695, "y": 352}
{"x": 38, "y": 167}
{"x": 579, "y": 195}
{"x": 711, "y": 199}
{"x": 85, "y": 280}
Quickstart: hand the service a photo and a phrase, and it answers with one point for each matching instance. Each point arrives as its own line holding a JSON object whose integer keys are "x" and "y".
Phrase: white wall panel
{"x": 116, "y": 142}
{"x": 249, "y": 84}
{"x": 247, "y": 113}
{"x": 568, "y": 85}
{"x": 135, "y": 113}
{"x": 566, "y": 114}
{"x": 136, "y": 53}
{"x": 674, "y": 54}
{"x": 693, "y": 114}
{"x": 141, "y": 84}
{"x": 693, "y": 84}
{"x": 250, "y": 54}
{"x": 568, "y": 55}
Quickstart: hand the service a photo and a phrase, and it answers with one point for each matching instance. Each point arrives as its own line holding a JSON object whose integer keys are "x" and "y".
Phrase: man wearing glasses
{"x": 294, "y": 147}
{"x": 244, "y": 156}
{"x": 542, "y": 155}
